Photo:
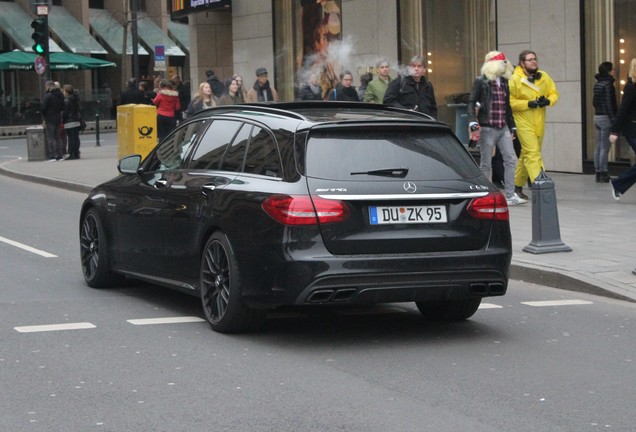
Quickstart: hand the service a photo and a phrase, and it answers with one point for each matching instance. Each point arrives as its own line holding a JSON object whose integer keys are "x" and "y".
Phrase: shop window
{"x": 453, "y": 36}
{"x": 609, "y": 37}
{"x": 306, "y": 40}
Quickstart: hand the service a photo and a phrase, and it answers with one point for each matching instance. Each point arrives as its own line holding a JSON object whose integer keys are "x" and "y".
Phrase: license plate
{"x": 407, "y": 215}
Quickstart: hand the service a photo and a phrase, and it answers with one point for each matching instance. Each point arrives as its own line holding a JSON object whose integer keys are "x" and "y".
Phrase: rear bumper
{"x": 398, "y": 278}
{"x": 384, "y": 288}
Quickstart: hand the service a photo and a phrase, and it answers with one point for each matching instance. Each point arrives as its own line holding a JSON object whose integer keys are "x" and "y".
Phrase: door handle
{"x": 161, "y": 183}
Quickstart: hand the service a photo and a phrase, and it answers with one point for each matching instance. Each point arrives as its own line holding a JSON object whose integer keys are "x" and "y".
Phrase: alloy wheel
{"x": 89, "y": 246}
{"x": 215, "y": 281}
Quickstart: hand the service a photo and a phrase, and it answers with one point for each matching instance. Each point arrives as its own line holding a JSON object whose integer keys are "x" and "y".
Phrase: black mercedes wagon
{"x": 253, "y": 207}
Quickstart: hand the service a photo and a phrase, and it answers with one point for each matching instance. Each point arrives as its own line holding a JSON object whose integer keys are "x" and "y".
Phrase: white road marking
{"x": 192, "y": 319}
{"x": 168, "y": 320}
{"x": 27, "y": 248}
{"x": 54, "y": 327}
{"x": 556, "y": 303}
{"x": 489, "y": 306}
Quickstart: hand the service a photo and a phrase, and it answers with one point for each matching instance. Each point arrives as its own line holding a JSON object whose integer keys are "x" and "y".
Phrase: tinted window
{"x": 172, "y": 152}
{"x": 425, "y": 154}
{"x": 214, "y": 143}
{"x": 233, "y": 160}
{"x": 262, "y": 156}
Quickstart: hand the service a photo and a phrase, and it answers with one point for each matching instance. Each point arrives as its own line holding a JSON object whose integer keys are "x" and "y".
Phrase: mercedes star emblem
{"x": 410, "y": 187}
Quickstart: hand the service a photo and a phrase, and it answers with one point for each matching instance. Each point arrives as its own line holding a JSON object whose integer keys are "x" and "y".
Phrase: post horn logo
{"x": 144, "y": 130}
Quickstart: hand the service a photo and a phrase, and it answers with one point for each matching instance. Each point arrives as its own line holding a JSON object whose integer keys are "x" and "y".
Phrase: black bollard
{"x": 546, "y": 235}
{"x": 97, "y": 144}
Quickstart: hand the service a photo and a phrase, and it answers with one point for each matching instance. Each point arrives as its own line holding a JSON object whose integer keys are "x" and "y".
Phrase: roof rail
{"x": 270, "y": 108}
{"x": 347, "y": 104}
{"x": 288, "y": 109}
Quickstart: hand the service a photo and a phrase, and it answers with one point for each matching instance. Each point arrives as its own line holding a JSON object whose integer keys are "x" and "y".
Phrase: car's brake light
{"x": 492, "y": 206}
{"x": 303, "y": 210}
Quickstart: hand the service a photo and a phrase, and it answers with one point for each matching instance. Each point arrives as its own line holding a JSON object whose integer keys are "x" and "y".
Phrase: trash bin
{"x": 461, "y": 121}
{"x": 136, "y": 129}
{"x": 36, "y": 144}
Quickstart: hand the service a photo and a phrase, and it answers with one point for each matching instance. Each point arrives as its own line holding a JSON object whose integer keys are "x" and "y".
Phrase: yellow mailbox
{"x": 136, "y": 129}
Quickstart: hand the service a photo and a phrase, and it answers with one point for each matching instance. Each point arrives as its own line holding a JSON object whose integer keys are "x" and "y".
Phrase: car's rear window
{"x": 409, "y": 153}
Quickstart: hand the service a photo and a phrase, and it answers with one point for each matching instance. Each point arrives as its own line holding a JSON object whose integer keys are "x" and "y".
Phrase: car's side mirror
{"x": 129, "y": 164}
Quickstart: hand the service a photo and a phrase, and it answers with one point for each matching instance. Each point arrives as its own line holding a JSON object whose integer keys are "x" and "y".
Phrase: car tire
{"x": 220, "y": 285}
{"x": 94, "y": 253}
{"x": 449, "y": 310}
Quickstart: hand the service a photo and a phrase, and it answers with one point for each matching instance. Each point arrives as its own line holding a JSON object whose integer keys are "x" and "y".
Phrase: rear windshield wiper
{"x": 387, "y": 172}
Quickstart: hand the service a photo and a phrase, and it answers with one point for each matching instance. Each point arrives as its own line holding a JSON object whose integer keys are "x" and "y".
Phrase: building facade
{"x": 571, "y": 38}
{"x": 292, "y": 38}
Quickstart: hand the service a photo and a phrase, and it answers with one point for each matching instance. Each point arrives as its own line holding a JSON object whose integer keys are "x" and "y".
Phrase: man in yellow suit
{"x": 531, "y": 91}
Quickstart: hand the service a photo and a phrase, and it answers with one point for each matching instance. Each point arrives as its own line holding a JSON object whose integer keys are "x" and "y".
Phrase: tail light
{"x": 303, "y": 210}
{"x": 492, "y": 206}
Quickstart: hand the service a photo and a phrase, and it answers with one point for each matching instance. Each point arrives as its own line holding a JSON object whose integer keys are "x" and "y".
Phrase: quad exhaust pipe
{"x": 484, "y": 289}
{"x": 332, "y": 295}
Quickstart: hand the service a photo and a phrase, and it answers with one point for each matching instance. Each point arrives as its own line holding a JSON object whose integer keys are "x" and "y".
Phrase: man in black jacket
{"x": 414, "y": 91}
{"x": 52, "y": 107}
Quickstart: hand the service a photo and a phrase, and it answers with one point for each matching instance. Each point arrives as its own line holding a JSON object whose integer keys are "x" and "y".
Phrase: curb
{"x": 71, "y": 186}
{"x": 561, "y": 280}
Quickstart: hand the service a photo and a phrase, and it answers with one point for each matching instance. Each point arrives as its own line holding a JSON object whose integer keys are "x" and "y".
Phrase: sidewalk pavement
{"x": 598, "y": 229}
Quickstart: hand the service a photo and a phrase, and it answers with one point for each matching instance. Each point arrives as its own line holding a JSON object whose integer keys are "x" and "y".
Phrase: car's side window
{"x": 172, "y": 152}
{"x": 262, "y": 155}
{"x": 233, "y": 160}
{"x": 213, "y": 145}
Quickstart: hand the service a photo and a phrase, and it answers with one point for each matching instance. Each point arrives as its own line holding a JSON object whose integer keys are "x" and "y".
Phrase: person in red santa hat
{"x": 491, "y": 122}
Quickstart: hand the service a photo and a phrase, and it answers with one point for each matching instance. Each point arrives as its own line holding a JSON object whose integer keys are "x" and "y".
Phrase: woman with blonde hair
{"x": 202, "y": 99}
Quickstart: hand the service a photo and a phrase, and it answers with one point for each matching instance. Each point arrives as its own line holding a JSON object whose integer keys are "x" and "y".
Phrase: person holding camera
{"x": 531, "y": 91}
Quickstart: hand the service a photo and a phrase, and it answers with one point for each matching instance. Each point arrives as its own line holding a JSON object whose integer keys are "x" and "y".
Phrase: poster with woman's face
{"x": 321, "y": 34}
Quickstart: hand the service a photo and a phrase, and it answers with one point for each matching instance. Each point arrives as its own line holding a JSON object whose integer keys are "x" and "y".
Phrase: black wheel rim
{"x": 89, "y": 246}
{"x": 215, "y": 281}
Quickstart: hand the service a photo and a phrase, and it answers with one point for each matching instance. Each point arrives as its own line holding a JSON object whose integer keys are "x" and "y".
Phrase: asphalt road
{"x": 74, "y": 358}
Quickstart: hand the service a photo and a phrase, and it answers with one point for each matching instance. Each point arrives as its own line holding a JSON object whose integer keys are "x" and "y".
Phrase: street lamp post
{"x": 135, "y": 59}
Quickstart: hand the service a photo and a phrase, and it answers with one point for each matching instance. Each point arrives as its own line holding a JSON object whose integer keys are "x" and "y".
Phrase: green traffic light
{"x": 40, "y": 35}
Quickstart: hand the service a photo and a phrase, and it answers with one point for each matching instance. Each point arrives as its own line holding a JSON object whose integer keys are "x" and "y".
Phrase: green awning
{"x": 18, "y": 60}
{"x": 152, "y": 35}
{"x": 72, "y": 33}
{"x": 180, "y": 33}
{"x": 15, "y": 22}
{"x": 106, "y": 26}
{"x": 70, "y": 61}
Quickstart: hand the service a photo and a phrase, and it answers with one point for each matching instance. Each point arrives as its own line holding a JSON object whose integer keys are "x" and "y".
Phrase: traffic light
{"x": 40, "y": 35}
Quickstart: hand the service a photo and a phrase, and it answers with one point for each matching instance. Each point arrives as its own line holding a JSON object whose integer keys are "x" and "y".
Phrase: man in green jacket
{"x": 377, "y": 87}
